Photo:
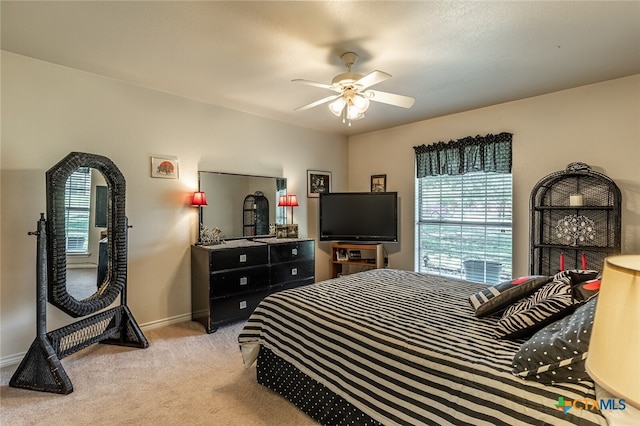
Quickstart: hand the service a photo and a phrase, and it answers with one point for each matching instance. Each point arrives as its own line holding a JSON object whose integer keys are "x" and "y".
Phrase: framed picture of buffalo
{"x": 164, "y": 167}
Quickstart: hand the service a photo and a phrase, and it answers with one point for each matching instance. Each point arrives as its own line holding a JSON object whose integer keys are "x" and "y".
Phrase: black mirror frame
{"x": 116, "y": 278}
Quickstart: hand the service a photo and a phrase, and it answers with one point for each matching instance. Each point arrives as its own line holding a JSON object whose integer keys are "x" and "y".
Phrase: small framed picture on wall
{"x": 164, "y": 167}
{"x": 317, "y": 182}
{"x": 378, "y": 183}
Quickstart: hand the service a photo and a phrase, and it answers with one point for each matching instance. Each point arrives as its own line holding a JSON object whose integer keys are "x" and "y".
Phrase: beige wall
{"x": 597, "y": 124}
{"x": 49, "y": 111}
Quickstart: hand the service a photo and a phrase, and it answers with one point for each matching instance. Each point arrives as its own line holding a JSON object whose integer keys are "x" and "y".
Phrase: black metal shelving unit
{"x": 575, "y": 220}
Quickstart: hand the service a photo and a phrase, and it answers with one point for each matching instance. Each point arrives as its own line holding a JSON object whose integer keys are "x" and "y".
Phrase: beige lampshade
{"x": 614, "y": 349}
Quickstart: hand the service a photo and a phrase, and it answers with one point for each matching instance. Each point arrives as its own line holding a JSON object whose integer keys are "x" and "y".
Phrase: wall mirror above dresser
{"x": 241, "y": 205}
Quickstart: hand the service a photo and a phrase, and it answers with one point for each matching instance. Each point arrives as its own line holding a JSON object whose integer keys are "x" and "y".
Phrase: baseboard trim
{"x": 10, "y": 360}
{"x": 15, "y": 359}
{"x": 164, "y": 322}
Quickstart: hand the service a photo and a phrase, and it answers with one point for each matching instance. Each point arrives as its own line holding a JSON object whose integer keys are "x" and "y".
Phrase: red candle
{"x": 561, "y": 261}
{"x": 584, "y": 261}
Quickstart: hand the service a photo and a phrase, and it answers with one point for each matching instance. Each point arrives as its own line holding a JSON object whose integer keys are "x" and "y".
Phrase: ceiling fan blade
{"x": 313, "y": 83}
{"x": 374, "y": 77}
{"x": 318, "y": 102}
{"x": 390, "y": 98}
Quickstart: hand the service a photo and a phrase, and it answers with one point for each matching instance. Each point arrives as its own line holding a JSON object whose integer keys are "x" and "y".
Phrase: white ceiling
{"x": 451, "y": 56}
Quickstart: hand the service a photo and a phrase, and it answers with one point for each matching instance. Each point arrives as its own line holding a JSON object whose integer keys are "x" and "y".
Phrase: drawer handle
{"x": 243, "y": 304}
{"x": 294, "y": 252}
{"x": 244, "y": 281}
{"x": 294, "y": 271}
{"x": 243, "y": 258}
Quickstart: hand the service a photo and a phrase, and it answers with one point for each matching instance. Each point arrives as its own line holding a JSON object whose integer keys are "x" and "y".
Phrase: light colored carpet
{"x": 82, "y": 282}
{"x": 185, "y": 377}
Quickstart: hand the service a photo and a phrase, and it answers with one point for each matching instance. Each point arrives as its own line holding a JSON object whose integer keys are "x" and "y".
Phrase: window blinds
{"x": 464, "y": 217}
{"x": 77, "y": 210}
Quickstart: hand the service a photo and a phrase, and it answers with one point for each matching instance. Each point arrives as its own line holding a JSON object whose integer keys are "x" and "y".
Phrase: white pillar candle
{"x": 576, "y": 200}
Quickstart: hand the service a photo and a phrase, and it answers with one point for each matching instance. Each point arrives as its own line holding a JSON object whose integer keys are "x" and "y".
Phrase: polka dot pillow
{"x": 557, "y": 353}
{"x": 495, "y": 298}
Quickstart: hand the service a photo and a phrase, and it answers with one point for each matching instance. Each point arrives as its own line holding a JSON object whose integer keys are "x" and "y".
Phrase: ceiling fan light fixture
{"x": 353, "y": 94}
{"x": 361, "y": 103}
{"x": 337, "y": 106}
{"x": 353, "y": 113}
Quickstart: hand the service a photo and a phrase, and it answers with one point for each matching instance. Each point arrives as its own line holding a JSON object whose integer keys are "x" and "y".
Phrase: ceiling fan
{"x": 353, "y": 93}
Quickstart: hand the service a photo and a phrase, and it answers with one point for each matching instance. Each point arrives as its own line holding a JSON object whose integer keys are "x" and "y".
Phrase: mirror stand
{"x": 41, "y": 369}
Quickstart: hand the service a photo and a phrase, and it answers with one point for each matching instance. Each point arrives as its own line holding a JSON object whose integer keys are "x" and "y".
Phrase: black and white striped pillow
{"x": 549, "y": 303}
{"x": 494, "y": 299}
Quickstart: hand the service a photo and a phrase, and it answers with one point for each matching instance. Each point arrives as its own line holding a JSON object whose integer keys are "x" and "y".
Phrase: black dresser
{"x": 228, "y": 280}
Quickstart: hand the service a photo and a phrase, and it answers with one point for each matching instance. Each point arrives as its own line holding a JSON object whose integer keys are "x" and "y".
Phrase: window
{"x": 465, "y": 218}
{"x": 281, "y": 212}
{"x": 77, "y": 209}
{"x": 464, "y": 213}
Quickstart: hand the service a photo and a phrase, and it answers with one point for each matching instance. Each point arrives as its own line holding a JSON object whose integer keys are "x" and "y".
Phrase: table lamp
{"x": 282, "y": 202}
{"x": 199, "y": 200}
{"x": 292, "y": 201}
{"x": 613, "y": 361}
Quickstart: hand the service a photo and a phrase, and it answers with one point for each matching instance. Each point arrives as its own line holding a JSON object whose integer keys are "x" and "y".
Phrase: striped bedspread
{"x": 405, "y": 348}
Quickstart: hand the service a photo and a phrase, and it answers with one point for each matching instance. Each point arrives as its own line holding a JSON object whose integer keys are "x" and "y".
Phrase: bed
{"x": 398, "y": 347}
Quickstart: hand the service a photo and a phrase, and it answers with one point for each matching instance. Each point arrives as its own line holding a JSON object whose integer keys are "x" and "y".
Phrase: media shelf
{"x": 344, "y": 254}
{"x": 567, "y": 232}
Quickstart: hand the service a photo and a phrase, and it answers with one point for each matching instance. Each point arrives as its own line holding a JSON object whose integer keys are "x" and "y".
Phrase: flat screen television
{"x": 370, "y": 217}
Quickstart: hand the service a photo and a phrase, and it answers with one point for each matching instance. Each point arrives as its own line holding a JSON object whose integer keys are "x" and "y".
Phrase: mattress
{"x": 405, "y": 348}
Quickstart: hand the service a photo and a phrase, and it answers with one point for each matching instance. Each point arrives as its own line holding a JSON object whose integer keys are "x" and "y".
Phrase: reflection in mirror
{"x": 85, "y": 230}
{"x": 242, "y": 205}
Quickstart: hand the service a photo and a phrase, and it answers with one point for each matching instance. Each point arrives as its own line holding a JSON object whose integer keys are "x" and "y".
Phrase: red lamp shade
{"x": 288, "y": 201}
{"x": 199, "y": 199}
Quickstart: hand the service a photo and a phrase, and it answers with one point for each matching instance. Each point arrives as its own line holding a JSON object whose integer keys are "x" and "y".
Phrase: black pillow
{"x": 585, "y": 290}
{"x": 557, "y": 353}
{"x": 495, "y": 298}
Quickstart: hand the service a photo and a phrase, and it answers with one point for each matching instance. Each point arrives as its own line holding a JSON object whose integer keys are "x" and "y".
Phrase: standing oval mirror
{"x": 70, "y": 182}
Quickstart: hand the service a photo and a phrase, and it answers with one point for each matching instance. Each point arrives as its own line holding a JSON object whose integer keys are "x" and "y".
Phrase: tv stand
{"x": 344, "y": 254}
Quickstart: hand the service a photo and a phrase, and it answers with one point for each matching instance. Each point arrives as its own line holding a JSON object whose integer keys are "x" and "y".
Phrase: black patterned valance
{"x": 490, "y": 153}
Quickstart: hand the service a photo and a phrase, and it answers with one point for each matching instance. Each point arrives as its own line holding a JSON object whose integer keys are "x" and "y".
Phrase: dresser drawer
{"x": 238, "y": 257}
{"x": 292, "y": 271}
{"x": 240, "y": 280}
{"x": 235, "y": 307}
{"x": 287, "y": 252}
